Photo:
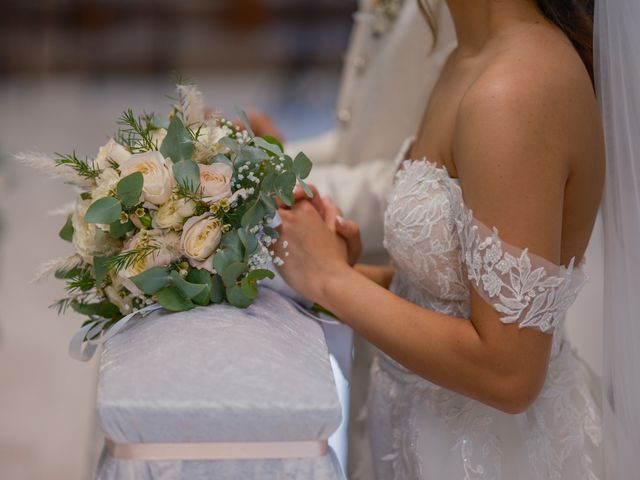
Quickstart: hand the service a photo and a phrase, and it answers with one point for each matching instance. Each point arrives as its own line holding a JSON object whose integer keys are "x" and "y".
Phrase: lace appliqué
{"x": 524, "y": 288}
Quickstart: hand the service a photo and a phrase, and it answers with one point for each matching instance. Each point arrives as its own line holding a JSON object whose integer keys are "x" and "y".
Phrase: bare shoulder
{"x": 535, "y": 97}
{"x": 527, "y": 123}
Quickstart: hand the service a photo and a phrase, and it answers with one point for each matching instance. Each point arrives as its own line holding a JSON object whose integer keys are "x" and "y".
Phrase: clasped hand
{"x": 316, "y": 244}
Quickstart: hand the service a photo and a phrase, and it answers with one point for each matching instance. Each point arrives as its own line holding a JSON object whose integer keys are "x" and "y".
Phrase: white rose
{"x": 105, "y": 183}
{"x": 200, "y": 237}
{"x": 215, "y": 181}
{"x": 111, "y": 151}
{"x": 167, "y": 251}
{"x": 87, "y": 239}
{"x": 172, "y": 213}
{"x": 158, "y": 136}
{"x": 207, "y": 145}
{"x": 158, "y": 179}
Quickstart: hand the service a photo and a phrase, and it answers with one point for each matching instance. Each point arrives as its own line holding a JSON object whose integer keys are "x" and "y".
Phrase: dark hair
{"x": 575, "y": 19}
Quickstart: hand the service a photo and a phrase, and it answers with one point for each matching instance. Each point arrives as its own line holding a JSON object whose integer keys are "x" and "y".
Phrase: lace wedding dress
{"x": 419, "y": 430}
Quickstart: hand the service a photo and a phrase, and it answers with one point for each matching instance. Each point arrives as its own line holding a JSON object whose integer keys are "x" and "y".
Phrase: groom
{"x": 390, "y": 65}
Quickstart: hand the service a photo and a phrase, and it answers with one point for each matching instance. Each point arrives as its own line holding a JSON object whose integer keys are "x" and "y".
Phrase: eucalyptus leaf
{"x": 224, "y": 258}
{"x": 66, "y": 232}
{"x": 201, "y": 276}
{"x": 253, "y": 216}
{"x": 171, "y": 299}
{"x": 231, "y": 144}
{"x": 187, "y": 174}
{"x": 188, "y": 289}
{"x": 249, "y": 288}
{"x": 268, "y": 183}
{"x": 100, "y": 268}
{"x": 118, "y": 229}
{"x": 231, "y": 274}
{"x": 231, "y": 241}
{"x": 103, "y": 210}
{"x": 245, "y": 121}
{"x": 178, "y": 143}
{"x": 129, "y": 189}
{"x": 308, "y": 192}
{"x": 152, "y": 280}
{"x": 269, "y": 203}
{"x": 275, "y": 148}
{"x": 249, "y": 241}
{"x": 217, "y": 289}
{"x": 302, "y": 165}
{"x": 237, "y": 298}
{"x": 220, "y": 158}
{"x": 250, "y": 154}
{"x": 260, "y": 274}
{"x": 101, "y": 309}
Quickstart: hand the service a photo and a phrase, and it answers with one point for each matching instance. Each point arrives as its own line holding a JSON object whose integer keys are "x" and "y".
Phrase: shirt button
{"x": 344, "y": 115}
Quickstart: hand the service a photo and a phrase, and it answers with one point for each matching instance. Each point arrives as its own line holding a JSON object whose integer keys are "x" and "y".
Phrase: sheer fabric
{"x": 419, "y": 430}
{"x": 617, "y": 45}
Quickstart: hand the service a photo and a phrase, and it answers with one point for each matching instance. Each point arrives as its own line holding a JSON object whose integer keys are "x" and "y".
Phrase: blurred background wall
{"x": 67, "y": 70}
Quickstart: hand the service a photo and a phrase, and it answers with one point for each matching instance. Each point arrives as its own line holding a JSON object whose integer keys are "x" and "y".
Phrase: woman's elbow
{"x": 517, "y": 395}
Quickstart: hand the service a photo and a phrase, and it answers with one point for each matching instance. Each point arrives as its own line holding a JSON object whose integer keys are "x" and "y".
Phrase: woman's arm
{"x": 520, "y": 168}
{"x": 380, "y": 275}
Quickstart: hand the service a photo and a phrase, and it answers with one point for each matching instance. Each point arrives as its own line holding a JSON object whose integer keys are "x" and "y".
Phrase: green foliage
{"x": 249, "y": 282}
{"x": 178, "y": 144}
{"x": 187, "y": 289}
{"x": 118, "y": 229}
{"x": 100, "y": 269}
{"x": 254, "y": 215}
{"x": 217, "y": 289}
{"x": 66, "y": 232}
{"x": 100, "y": 309}
{"x": 202, "y": 277}
{"x": 152, "y": 280}
{"x": 232, "y": 272}
{"x": 270, "y": 144}
{"x": 136, "y": 133}
{"x": 187, "y": 175}
{"x": 302, "y": 165}
{"x": 84, "y": 168}
{"x": 128, "y": 258}
{"x": 104, "y": 210}
{"x": 245, "y": 121}
{"x": 129, "y": 189}
{"x": 237, "y": 298}
{"x": 171, "y": 299}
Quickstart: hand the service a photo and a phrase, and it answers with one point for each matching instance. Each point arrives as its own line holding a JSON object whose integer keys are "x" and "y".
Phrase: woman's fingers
{"x": 350, "y": 231}
{"x": 331, "y": 213}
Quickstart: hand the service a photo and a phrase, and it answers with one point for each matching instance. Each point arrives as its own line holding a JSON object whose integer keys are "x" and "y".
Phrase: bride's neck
{"x": 477, "y": 21}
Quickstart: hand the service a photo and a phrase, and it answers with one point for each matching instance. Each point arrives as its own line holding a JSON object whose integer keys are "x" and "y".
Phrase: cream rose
{"x": 111, "y": 151}
{"x": 88, "y": 239}
{"x": 158, "y": 180}
{"x": 167, "y": 251}
{"x": 172, "y": 213}
{"x": 215, "y": 181}
{"x": 106, "y": 183}
{"x": 200, "y": 237}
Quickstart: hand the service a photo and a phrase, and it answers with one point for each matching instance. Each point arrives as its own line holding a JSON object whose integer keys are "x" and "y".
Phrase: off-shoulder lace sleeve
{"x": 524, "y": 288}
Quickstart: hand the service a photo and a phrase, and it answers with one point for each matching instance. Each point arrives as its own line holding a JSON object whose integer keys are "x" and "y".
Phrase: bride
{"x": 493, "y": 205}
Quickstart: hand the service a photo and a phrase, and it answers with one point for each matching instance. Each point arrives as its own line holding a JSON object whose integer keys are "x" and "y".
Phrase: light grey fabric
{"x": 219, "y": 374}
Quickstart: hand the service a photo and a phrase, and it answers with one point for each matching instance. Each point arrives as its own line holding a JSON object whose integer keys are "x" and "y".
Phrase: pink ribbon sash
{"x": 216, "y": 451}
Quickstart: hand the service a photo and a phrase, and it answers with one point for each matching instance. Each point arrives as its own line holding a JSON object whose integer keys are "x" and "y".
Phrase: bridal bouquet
{"x": 173, "y": 212}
